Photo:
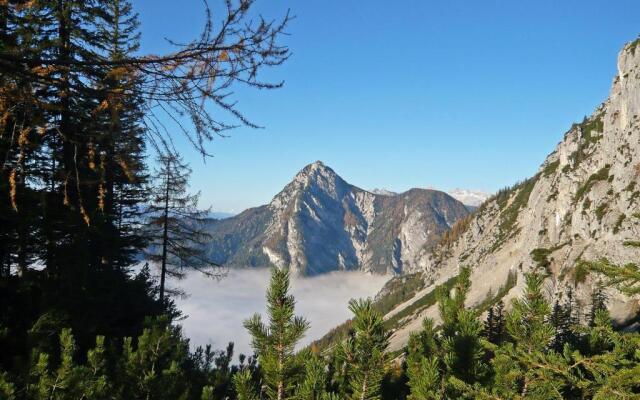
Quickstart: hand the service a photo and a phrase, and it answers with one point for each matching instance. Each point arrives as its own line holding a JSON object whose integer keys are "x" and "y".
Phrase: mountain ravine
{"x": 320, "y": 223}
{"x": 581, "y": 205}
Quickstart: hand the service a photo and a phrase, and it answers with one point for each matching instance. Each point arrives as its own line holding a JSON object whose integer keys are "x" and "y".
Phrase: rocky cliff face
{"x": 320, "y": 223}
{"x": 580, "y": 205}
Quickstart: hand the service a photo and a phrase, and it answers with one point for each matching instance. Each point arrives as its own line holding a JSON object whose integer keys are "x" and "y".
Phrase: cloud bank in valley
{"x": 215, "y": 310}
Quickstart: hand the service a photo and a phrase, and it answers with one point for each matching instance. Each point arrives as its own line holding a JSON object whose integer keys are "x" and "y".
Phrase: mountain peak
{"x": 315, "y": 166}
{"x": 320, "y": 223}
{"x": 315, "y": 172}
{"x": 315, "y": 177}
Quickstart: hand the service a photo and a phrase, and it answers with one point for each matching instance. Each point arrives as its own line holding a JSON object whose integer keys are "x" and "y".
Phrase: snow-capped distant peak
{"x": 383, "y": 192}
{"x": 469, "y": 197}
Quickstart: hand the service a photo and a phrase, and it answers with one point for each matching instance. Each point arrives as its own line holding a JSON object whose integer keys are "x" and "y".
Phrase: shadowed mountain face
{"x": 320, "y": 223}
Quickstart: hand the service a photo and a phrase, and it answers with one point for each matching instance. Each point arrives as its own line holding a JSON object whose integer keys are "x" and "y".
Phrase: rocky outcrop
{"x": 580, "y": 205}
{"x": 320, "y": 223}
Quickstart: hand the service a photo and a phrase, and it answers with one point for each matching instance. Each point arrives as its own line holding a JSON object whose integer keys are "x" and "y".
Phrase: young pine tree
{"x": 564, "y": 320}
{"x": 530, "y": 335}
{"x": 152, "y": 367}
{"x": 365, "y": 350}
{"x": 314, "y": 385}
{"x": 69, "y": 379}
{"x": 598, "y": 303}
{"x": 461, "y": 332}
{"x": 423, "y": 369}
{"x": 274, "y": 342}
{"x": 494, "y": 324}
{"x": 527, "y": 323}
{"x": 439, "y": 365}
{"x": 244, "y": 385}
{"x": 175, "y": 225}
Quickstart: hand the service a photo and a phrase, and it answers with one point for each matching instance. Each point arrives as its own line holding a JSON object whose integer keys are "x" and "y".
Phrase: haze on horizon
{"x": 452, "y": 95}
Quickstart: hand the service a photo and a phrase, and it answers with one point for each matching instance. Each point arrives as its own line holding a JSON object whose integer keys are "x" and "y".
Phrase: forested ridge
{"x": 82, "y": 117}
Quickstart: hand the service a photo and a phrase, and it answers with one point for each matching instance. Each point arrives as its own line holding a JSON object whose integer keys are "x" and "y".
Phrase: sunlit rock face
{"x": 319, "y": 223}
{"x": 580, "y": 205}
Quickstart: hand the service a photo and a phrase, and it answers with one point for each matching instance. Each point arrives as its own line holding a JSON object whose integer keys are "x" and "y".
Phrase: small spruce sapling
{"x": 274, "y": 342}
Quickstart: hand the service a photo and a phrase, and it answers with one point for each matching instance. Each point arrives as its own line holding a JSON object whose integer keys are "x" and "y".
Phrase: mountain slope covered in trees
{"x": 320, "y": 223}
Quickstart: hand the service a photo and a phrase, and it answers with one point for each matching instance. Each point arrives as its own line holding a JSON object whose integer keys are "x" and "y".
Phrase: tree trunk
{"x": 165, "y": 237}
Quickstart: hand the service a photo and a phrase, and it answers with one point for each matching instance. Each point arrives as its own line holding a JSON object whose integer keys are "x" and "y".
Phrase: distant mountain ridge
{"x": 320, "y": 223}
{"x": 384, "y": 192}
{"x": 473, "y": 198}
{"x": 470, "y": 198}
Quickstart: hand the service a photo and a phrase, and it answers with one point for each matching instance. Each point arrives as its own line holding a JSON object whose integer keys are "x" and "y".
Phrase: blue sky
{"x": 409, "y": 93}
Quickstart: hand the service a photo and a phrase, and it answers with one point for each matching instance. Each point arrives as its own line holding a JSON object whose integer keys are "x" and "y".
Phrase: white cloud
{"x": 216, "y": 309}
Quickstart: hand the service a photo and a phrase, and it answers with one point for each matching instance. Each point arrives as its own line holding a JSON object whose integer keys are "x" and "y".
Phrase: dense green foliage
{"x": 541, "y": 354}
{"x": 436, "y": 362}
{"x": 155, "y": 365}
{"x": 533, "y": 351}
{"x": 78, "y": 117}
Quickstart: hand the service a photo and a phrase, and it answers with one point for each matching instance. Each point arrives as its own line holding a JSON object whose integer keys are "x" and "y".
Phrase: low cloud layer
{"x": 215, "y": 310}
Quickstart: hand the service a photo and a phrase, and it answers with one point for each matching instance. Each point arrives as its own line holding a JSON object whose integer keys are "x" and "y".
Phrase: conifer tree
{"x": 625, "y": 278}
{"x": 78, "y": 107}
{"x": 175, "y": 226}
{"x": 422, "y": 363}
{"x": 527, "y": 323}
{"x": 489, "y": 324}
{"x": 499, "y": 324}
{"x": 598, "y": 302}
{"x": 564, "y": 320}
{"x": 244, "y": 387}
{"x": 71, "y": 380}
{"x": 494, "y": 324}
{"x": 118, "y": 145}
{"x": 313, "y": 386}
{"x": 365, "y": 351}
{"x": 456, "y": 356}
{"x": 152, "y": 367}
{"x": 7, "y": 389}
{"x": 338, "y": 368}
{"x": 461, "y": 332}
{"x": 274, "y": 342}
{"x": 530, "y": 334}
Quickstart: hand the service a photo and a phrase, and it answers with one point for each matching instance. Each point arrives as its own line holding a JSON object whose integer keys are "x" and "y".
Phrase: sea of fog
{"x": 215, "y": 310}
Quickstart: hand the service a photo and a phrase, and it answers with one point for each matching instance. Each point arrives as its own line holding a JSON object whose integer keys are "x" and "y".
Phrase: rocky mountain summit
{"x": 582, "y": 204}
{"x": 320, "y": 223}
